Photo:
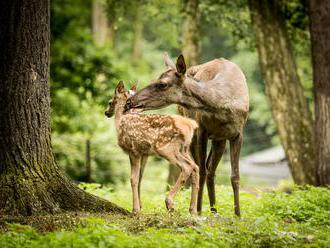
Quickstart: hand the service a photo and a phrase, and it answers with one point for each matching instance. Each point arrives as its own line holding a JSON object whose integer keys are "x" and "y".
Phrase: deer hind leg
{"x": 172, "y": 153}
{"x": 235, "y": 148}
{"x": 213, "y": 160}
{"x": 142, "y": 166}
{"x": 198, "y": 150}
{"x": 135, "y": 171}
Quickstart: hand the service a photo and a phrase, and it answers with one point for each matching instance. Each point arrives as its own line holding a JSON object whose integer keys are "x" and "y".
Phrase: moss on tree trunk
{"x": 30, "y": 180}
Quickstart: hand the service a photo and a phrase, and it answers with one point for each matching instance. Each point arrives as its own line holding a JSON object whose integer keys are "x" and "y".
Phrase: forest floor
{"x": 282, "y": 217}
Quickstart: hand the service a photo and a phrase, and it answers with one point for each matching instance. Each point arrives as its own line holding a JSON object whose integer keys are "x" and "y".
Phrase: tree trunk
{"x": 30, "y": 180}
{"x": 284, "y": 90}
{"x": 100, "y": 25}
{"x": 88, "y": 162}
{"x": 191, "y": 52}
{"x": 320, "y": 36}
{"x": 191, "y": 32}
{"x": 138, "y": 30}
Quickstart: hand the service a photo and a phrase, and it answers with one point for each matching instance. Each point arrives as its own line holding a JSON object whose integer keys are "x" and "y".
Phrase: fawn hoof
{"x": 169, "y": 204}
{"x": 193, "y": 211}
{"x": 135, "y": 212}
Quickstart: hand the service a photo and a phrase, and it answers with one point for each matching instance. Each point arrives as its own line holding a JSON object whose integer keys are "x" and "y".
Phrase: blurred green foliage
{"x": 83, "y": 74}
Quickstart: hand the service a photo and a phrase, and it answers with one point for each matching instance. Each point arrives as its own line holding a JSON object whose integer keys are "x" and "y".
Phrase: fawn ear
{"x": 120, "y": 88}
{"x": 133, "y": 90}
{"x": 168, "y": 62}
{"x": 181, "y": 65}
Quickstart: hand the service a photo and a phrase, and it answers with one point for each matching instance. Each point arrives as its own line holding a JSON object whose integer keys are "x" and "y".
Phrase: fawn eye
{"x": 162, "y": 86}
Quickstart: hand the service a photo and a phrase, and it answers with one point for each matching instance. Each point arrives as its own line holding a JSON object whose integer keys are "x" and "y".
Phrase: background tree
{"x": 30, "y": 180}
{"x": 320, "y": 36}
{"x": 102, "y": 33}
{"x": 191, "y": 31}
{"x": 138, "y": 32}
{"x": 284, "y": 90}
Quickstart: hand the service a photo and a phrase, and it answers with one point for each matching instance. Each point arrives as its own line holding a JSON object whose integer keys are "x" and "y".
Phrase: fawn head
{"x": 119, "y": 98}
{"x": 167, "y": 89}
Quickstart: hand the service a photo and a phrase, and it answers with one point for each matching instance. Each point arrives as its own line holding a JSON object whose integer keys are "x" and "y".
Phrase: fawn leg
{"x": 184, "y": 175}
{"x": 142, "y": 166}
{"x": 235, "y": 148}
{"x": 198, "y": 150}
{"x": 194, "y": 183}
{"x": 135, "y": 171}
{"x": 172, "y": 154}
{"x": 213, "y": 159}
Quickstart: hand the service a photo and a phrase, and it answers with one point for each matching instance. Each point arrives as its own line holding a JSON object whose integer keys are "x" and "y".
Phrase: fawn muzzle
{"x": 108, "y": 113}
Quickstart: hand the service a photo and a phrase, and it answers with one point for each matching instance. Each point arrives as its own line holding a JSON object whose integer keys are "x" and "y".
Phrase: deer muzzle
{"x": 130, "y": 105}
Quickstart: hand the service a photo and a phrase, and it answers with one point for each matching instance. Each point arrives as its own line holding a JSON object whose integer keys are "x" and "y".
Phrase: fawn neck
{"x": 119, "y": 109}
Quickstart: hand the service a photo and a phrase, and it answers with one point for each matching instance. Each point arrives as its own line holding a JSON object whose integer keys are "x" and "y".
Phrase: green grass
{"x": 300, "y": 218}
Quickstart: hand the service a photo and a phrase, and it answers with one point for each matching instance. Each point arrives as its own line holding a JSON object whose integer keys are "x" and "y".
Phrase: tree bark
{"x": 30, "y": 180}
{"x": 284, "y": 90}
{"x": 191, "y": 32}
{"x": 88, "y": 162}
{"x": 100, "y": 25}
{"x": 138, "y": 31}
{"x": 191, "y": 52}
{"x": 320, "y": 36}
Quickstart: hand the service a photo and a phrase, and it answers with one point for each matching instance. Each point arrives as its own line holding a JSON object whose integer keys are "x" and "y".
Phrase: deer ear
{"x": 181, "y": 65}
{"x": 133, "y": 90}
{"x": 168, "y": 62}
{"x": 120, "y": 88}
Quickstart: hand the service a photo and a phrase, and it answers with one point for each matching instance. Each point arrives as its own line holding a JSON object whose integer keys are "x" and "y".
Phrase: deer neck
{"x": 196, "y": 96}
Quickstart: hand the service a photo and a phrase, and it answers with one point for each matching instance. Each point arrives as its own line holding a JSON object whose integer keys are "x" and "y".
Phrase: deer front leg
{"x": 142, "y": 166}
{"x": 135, "y": 171}
{"x": 235, "y": 148}
{"x": 198, "y": 150}
{"x": 213, "y": 160}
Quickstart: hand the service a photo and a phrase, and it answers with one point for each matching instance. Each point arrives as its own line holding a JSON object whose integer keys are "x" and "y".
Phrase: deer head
{"x": 167, "y": 89}
{"x": 119, "y": 98}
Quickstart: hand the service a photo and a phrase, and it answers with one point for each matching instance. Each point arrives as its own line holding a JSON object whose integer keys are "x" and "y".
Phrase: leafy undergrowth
{"x": 300, "y": 218}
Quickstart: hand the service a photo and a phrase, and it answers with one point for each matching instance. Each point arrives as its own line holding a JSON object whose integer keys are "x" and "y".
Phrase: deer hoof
{"x": 238, "y": 214}
{"x": 213, "y": 210}
{"x": 169, "y": 204}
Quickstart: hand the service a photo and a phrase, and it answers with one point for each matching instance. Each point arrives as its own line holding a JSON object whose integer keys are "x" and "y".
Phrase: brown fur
{"x": 146, "y": 134}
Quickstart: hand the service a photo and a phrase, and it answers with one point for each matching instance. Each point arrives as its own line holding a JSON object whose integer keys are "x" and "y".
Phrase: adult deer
{"x": 215, "y": 94}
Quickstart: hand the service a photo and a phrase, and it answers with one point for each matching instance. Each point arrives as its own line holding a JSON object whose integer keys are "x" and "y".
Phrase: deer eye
{"x": 162, "y": 86}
